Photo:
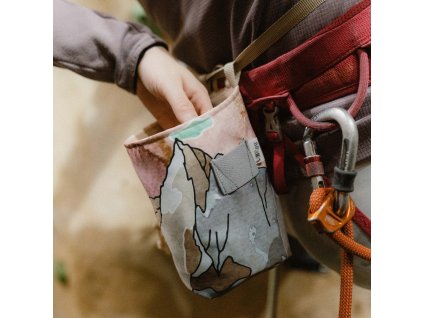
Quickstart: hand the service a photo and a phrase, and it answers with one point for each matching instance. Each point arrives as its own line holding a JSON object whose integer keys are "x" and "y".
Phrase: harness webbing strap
{"x": 276, "y": 31}
{"x": 279, "y": 180}
{"x": 278, "y": 162}
{"x": 256, "y": 48}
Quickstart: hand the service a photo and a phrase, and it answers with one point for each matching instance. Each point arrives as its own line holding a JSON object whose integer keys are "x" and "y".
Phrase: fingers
{"x": 188, "y": 99}
{"x": 159, "y": 108}
{"x": 182, "y": 107}
{"x": 198, "y": 95}
{"x": 164, "y": 78}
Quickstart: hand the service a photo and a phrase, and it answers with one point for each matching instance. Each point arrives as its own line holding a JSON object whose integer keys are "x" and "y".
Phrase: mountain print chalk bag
{"x": 217, "y": 210}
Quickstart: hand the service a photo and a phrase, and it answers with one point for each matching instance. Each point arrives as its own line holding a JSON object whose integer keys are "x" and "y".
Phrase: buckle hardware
{"x": 272, "y": 123}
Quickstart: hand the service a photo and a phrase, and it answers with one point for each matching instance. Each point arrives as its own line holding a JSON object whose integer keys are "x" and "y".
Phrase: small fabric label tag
{"x": 255, "y": 149}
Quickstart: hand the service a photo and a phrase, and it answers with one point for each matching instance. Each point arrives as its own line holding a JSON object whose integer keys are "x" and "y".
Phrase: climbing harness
{"x": 332, "y": 208}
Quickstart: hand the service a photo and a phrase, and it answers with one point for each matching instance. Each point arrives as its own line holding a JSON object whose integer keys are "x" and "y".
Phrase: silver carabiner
{"x": 344, "y": 174}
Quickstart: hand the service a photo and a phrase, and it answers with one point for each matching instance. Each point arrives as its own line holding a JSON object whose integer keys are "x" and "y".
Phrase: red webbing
{"x": 363, "y": 222}
{"x": 310, "y": 59}
{"x": 279, "y": 180}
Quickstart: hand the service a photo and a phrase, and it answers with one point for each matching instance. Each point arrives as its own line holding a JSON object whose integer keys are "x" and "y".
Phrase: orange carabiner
{"x": 326, "y": 219}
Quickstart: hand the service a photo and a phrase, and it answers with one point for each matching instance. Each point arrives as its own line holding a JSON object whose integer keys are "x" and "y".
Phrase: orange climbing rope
{"x": 347, "y": 277}
{"x": 345, "y": 239}
{"x": 348, "y": 244}
{"x": 317, "y": 198}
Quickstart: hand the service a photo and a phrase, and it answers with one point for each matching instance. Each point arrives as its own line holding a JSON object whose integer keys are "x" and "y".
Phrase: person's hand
{"x": 164, "y": 78}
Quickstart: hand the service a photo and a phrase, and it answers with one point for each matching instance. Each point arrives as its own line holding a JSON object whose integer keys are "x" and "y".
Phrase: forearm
{"x": 98, "y": 46}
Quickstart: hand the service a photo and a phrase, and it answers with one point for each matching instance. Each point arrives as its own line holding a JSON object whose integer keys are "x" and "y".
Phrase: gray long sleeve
{"x": 98, "y": 46}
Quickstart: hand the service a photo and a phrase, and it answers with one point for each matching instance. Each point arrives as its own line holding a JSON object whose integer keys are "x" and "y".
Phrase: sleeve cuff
{"x": 127, "y": 79}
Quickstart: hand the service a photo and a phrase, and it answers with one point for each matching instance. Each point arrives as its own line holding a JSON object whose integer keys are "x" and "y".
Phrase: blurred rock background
{"x": 106, "y": 263}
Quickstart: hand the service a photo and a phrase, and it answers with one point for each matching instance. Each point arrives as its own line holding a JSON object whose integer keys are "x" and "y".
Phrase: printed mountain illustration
{"x": 218, "y": 216}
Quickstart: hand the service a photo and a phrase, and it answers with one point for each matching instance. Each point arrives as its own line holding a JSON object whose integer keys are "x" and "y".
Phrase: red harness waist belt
{"x": 323, "y": 68}
{"x": 319, "y": 70}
